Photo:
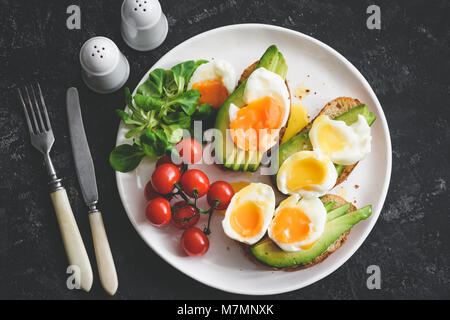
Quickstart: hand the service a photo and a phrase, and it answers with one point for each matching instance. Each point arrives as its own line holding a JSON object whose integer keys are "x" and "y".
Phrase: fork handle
{"x": 73, "y": 243}
{"x": 105, "y": 261}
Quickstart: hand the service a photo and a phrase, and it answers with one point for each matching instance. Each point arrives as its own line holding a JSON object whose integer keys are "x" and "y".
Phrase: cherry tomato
{"x": 220, "y": 190}
{"x": 194, "y": 179}
{"x": 184, "y": 211}
{"x": 158, "y": 212}
{"x": 168, "y": 159}
{"x": 194, "y": 242}
{"x": 190, "y": 150}
{"x": 164, "y": 177}
{"x": 149, "y": 192}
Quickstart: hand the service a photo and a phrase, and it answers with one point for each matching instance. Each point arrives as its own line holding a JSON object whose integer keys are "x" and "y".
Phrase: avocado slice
{"x": 336, "y": 213}
{"x": 351, "y": 116}
{"x": 301, "y": 141}
{"x": 329, "y": 205}
{"x": 267, "y": 252}
{"x": 226, "y": 152}
{"x": 251, "y": 160}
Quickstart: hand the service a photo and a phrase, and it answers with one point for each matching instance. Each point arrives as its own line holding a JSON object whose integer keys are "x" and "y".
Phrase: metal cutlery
{"x": 42, "y": 139}
{"x": 86, "y": 177}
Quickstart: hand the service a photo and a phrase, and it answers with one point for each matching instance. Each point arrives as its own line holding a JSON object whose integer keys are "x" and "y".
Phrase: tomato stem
{"x": 188, "y": 201}
{"x": 207, "y": 230}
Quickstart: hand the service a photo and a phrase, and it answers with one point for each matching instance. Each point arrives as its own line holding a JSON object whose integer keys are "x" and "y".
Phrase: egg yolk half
{"x": 305, "y": 173}
{"x": 330, "y": 139}
{"x": 254, "y": 123}
{"x": 247, "y": 220}
{"x": 212, "y": 92}
{"x": 290, "y": 225}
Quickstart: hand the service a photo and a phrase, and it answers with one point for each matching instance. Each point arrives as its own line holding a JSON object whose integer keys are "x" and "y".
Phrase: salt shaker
{"x": 104, "y": 68}
{"x": 144, "y": 25}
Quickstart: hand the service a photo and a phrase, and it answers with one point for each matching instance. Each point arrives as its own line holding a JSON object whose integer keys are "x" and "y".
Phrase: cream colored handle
{"x": 73, "y": 243}
{"x": 105, "y": 261}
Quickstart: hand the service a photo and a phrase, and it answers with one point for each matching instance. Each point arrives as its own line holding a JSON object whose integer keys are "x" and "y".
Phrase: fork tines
{"x": 35, "y": 126}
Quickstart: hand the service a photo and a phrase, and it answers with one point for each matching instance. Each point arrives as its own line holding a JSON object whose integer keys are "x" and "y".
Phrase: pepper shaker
{"x": 144, "y": 25}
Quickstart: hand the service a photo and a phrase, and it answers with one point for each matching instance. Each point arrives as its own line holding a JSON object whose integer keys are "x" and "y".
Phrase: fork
{"x": 42, "y": 139}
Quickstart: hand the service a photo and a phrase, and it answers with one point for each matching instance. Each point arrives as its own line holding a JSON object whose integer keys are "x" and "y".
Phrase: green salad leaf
{"x": 126, "y": 157}
{"x": 155, "y": 143}
{"x": 173, "y": 132}
{"x": 205, "y": 113}
{"x": 182, "y": 72}
{"x": 153, "y": 86}
{"x": 158, "y": 113}
{"x": 148, "y": 103}
{"x": 187, "y": 101}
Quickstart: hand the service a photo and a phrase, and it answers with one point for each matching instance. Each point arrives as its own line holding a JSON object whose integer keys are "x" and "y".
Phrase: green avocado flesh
{"x": 336, "y": 213}
{"x": 226, "y": 152}
{"x": 329, "y": 205}
{"x": 267, "y": 252}
{"x": 301, "y": 141}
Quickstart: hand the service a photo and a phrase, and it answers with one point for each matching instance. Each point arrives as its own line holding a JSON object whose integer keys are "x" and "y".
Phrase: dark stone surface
{"x": 407, "y": 64}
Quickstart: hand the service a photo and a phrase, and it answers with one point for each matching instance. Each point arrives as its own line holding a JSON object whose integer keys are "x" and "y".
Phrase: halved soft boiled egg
{"x": 343, "y": 144}
{"x": 306, "y": 173}
{"x": 298, "y": 223}
{"x": 249, "y": 213}
{"x": 256, "y": 125}
{"x": 215, "y": 80}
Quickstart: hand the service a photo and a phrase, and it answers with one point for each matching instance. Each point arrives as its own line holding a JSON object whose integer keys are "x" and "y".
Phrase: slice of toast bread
{"x": 333, "y": 109}
{"x": 339, "y": 201}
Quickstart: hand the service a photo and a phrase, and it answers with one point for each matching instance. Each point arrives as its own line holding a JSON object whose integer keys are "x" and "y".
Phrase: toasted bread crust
{"x": 339, "y": 201}
{"x": 338, "y": 106}
{"x": 246, "y": 73}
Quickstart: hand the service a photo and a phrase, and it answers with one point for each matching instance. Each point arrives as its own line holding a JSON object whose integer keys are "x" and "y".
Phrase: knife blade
{"x": 82, "y": 155}
{"x": 86, "y": 177}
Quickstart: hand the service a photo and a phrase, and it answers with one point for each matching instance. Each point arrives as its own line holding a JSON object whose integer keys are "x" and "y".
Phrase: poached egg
{"x": 298, "y": 223}
{"x": 257, "y": 124}
{"x": 249, "y": 213}
{"x": 307, "y": 174}
{"x": 343, "y": 144}
{"x": 215, "y": 80}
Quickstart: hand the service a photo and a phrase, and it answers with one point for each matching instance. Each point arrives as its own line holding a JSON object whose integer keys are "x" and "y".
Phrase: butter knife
{"x": 86, "y": 177}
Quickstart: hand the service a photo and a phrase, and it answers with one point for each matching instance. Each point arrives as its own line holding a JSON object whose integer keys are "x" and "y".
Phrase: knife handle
{"x": 105, "y": 261}
{"x": 73, "y": 243}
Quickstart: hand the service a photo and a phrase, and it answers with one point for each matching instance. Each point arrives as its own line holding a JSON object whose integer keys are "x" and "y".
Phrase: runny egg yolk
{"x": 290, "y": 225}
{"x": 212, "y": 92}
{"x": 247, "y": 219}
{"x": 306, "y": 173}
{"x": 330, "y": 139}
{"x": 254, "y": 121}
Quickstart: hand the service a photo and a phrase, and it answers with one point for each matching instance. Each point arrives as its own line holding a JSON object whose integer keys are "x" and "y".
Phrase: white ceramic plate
{"x": 322, "y": 70}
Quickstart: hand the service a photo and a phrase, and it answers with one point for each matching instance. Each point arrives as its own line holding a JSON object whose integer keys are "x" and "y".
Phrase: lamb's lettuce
{"x": 158, "y": 113}
{"x": 126, "y": 157}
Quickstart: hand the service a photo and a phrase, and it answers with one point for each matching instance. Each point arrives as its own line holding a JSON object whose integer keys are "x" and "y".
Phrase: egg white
{"x": 263, "y": 196}
{"x": 316, "y": 213}
{"x": 357, "y": 137}
{"x": 215, "y": 69}
{"x": 316, "y": 190}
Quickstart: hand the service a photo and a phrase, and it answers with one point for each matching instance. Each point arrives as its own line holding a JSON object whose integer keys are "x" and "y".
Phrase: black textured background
{"x": 406, "y": 62}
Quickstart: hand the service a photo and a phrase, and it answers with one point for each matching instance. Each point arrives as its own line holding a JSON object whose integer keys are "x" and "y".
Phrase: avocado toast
{"x": 343, "y": 108}
{"x": 227, "y": 153}
{"x": 341, "y": 217}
